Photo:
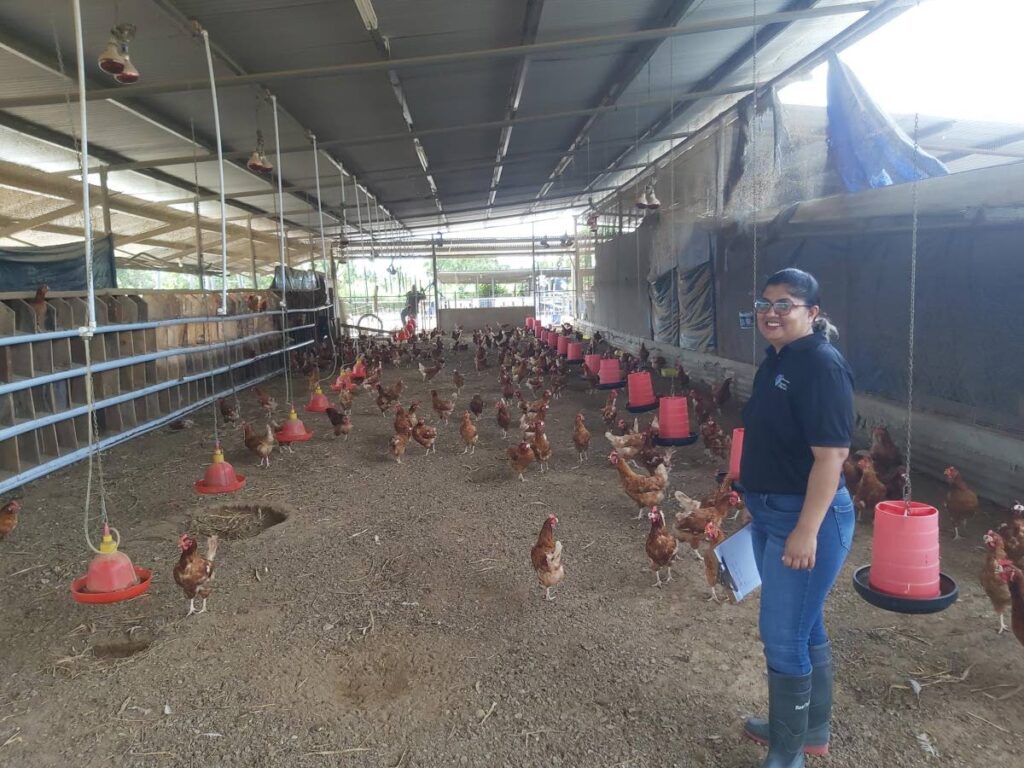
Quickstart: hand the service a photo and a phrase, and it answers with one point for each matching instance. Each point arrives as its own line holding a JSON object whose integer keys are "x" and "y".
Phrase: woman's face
{"x": 780, "y": 330}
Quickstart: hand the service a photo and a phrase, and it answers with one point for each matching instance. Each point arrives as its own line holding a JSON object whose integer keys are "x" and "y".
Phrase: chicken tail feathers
{"x": 211, "y": 547}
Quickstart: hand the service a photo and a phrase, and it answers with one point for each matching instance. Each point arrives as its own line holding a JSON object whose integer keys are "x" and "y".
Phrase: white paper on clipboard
{"x": 738, "y": 571}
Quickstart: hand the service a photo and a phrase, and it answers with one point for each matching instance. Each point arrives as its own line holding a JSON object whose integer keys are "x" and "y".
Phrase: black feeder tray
{"x": 948, "y": 594}
{"x": 641, "y": 408}
{"x": 613, "y": 385}
{"x": 575, "y": 362}
{"x": 677, "y": 441}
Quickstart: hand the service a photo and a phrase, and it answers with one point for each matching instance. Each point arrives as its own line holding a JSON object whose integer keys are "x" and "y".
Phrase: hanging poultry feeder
{"x": 574, "y": 353}
{"x": 220, "y": 476}
{"x": 674, "y": 422}
{"x": 610, "y": 374}
{"x": 736, "y": 453}
{"x": 904, "y": 575}
{"x": 593, "y": 363}
{"x": 318, "y": 402}
{"x": 111, "y": 576}
{"x": 344, "y": 381}
{"x": 529, "y": 323}
{"x": 359, "y": 371}
{"x": 563, "y": 345}
{"x": 293, "y": 430}
{"x": 641, "y": 393}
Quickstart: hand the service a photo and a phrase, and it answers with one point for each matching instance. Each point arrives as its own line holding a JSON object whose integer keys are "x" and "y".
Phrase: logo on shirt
{"x": 782, "y": 382}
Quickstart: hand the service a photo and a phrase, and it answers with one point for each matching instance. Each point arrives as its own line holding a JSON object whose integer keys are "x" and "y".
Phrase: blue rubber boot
{"x": 819, "y": 716}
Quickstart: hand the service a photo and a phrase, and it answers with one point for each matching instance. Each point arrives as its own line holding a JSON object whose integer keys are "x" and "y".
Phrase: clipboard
{"x": 737, "y": 570}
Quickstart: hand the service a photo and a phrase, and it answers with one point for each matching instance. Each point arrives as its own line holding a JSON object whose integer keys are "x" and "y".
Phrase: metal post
{"x": 199, "y": 247}
{"x": 220, "y": 170}
{"x": 533, "y": 267}
{"x": 252, "y": 255}
{"x": 437, "y": 293}
{"x": 107, "y": 228}
{"x": 90, "y": 284}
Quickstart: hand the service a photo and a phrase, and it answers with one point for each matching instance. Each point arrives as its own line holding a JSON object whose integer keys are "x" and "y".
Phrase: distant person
{"x": 412, "y": 303}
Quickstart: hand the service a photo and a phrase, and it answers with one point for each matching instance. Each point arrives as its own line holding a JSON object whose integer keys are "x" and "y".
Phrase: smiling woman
{"x": 799, "y": 423}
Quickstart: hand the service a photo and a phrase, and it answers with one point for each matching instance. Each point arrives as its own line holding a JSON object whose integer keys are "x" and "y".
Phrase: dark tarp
{"x": 697, "y": 308}
{"x": 665, "y": 308}
{"x": 60, "y": 267}
{"x": 970, "y": 280}
{"x": 297, "y": 280}
{"x": 621, "y": 290}
{"x": 867, "y": 147}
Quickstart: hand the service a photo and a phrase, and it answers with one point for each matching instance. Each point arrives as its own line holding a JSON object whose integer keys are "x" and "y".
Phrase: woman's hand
{"x": 801, "y": 546}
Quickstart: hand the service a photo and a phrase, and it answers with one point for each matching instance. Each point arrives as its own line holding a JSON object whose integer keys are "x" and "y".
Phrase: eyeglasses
{"x": 782, "y": 307}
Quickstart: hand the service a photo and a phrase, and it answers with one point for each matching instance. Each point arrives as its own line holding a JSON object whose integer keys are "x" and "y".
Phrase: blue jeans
{"x": 792, "y": 602}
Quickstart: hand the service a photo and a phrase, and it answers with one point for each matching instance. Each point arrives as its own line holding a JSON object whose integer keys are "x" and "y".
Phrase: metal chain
{"x": 907, "y": 486}
{"x": 756, "y": 181}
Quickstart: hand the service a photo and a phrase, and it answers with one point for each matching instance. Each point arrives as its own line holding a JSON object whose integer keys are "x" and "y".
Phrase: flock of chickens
{"x": 642, "y": 466}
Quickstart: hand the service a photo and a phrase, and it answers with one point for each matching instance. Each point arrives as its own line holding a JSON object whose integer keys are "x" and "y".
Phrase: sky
{"x": 944, "y": 58}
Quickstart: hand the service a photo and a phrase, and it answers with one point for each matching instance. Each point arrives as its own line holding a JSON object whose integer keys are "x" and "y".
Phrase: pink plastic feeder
{"x": 220, "y": 476}
{"x": 293, "y": 430}
{"x": 610, "y": 374}
{"x": 318, "y": 402}
{"x": 574, "y": 352}
{"x": 593, "y": 363}
{"x": 905, "y": 550}
{"x": 563, "y": 345}
{"x": 529, "y": 323}
{"x": 736, "y": 453}
{"x": 674, "y": 421}
{"x": 641, "y": 392}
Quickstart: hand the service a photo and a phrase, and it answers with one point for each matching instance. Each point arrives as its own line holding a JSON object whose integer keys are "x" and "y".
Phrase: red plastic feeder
{"x": 593, "y": 363}
{"x": 736, "y": 454}
{"x": 563, "y": 345}
{"x": 610, "y": 374}
{"x": 529, "y": 323}
{"x": 674, "y": 421}
{"x": 641, "y": 393}
{"x": 318, "y": 403}
{"x": 905, "y": 550}
{"x": 293, "y": 430}
{"x": 344, "y": 381}
{"x": 542, "y": 334}
{"x": 359, "y": 371}
{"x": 574, "y": 353}
{"x": 904, "y": 574}
{"x": 220, "y": 476}
{"x": 111, "y": 577}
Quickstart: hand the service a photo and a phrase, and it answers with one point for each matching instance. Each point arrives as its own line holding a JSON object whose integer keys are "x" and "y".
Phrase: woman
{"x": 798, "y": 427}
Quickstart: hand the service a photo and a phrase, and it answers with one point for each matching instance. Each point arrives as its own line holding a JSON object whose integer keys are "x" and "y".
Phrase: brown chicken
{"x": 870, "y": 490}
{"x": 520, "y": 456}
{"x": 722, "y": 392}
{"x": 716, "y": 442}
{"x": 996, "y": 587}
{"x": 581, "y": 437}
{"x": 398, "y": 444}
{"x": 228, "y": 412}
{"x": 252, "y": 301}
{"x": 261, "y": 445}
{"x": 695, "y": 516}
{"x": 345, "y": 400}
{"x": 610, "y": 413}
{"x": 468, "y": 432}
{"x": 541, "y": 446}
{"x": 9, "y": 518}
{"x": 704, "y": 404}
{"x": 1015, "y": 579}
{"x": 40, "y": 307}
{"x": 458, "y": 381}
{"x": 645, "y": 490}
{"x": 884, "y": 453}
{"x": 403, "y": 422}
{"x": 546, "y": 556}
{"x": 476, "y": 406}
{"x": 425, "y": 436}
{"x": 661, "y": 547}
{"x": 193, "y": 572}
{"x": 383, "y": 402}
{"x": 851, "y": 472}
{"x": 1012, "y": 532}
{"x": 267, "y": 403}
{"x": 504, "y": 418}
{"x": 341, "y": 422}
{"x": 392, "y": 393}
{"x": 627, "y": 445}
{"x": 443, "y": 408}
{"x": 961, "y": 501}
{"x": 713, "y": 536}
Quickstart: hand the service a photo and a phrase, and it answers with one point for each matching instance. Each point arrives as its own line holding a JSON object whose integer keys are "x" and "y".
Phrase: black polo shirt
{"x": 802, "y": 396}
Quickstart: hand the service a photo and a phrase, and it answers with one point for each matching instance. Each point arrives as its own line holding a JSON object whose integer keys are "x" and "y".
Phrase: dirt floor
{"x": 393, "y": 620}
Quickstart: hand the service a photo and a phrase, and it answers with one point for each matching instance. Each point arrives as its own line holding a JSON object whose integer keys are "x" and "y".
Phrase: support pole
{"x": 83, "y": 120}
{"x": 107, "y": 228}
{"x": 200, "y": 261}
{"x": 252, "y": 256}
{"x": 223, "y": 310}
{"x": 437, "y": 293}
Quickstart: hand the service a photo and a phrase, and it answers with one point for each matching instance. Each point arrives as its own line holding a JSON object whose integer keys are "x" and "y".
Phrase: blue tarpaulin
{"x": 868, "y": 148}
{"x": 61, "y": 267}
{"x": 665, "y": 308}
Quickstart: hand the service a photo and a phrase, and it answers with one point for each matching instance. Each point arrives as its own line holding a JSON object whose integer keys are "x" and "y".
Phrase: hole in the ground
{"x": 237, "y": 521}
{"x": 121, "y": 649}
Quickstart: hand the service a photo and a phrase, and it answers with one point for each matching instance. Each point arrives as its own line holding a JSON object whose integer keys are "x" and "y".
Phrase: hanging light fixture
{"x": 114, "y": 59}
{"x": 129, "y": 74}
{"x": 652, "y": 201}
{"x": 258, "y": 162}
{"x": 641, "y": 199}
